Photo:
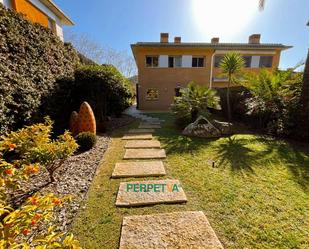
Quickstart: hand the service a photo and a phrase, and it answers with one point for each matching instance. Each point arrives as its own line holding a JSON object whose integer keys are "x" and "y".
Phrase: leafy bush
{"x": 32, "y": 58}
{"x": 33, "y": 144}
{"x": 103, "y": 87}
{"x": 193, "y": 102}
{"x": 21, "y": 227}
{"x": 275, "y": 100}
{"x": 86, "y": 140}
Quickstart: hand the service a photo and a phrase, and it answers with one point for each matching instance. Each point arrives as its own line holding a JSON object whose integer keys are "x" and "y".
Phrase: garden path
{"x": 167, "y": 230}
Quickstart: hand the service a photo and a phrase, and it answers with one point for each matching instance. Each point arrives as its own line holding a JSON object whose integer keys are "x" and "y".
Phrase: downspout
{"x": 211, "y": 69}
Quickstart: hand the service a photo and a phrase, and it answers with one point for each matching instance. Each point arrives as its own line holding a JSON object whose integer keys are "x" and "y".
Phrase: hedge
{"x": 32, "y": 59}
{"x": 106, "y": 90}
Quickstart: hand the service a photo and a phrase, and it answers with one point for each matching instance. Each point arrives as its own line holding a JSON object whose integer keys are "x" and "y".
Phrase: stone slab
{"x": 143, "y": 193}
{"x": 137, "y": 144}
{"x": 141, "y": 131}
{"x": 137, "y": 137}
{"x": 144, "y": 154}
{"x": 181, "y": 230}
{"x": 149, "y": 126}
{"x": 138, "y": 169}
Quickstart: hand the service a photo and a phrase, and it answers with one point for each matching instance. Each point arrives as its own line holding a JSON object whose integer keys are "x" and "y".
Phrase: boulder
{"x": 202, "y": 127}
{"x": 222, "y": 126}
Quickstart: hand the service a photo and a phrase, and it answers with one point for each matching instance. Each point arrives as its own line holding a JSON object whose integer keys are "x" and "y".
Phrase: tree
{"x": 304, "y": 116}
{"x": 102, "y": 54}
{"x": 304, "y": 100}
{"x": 231, "y": 66}
{"x": 261, "y": 4}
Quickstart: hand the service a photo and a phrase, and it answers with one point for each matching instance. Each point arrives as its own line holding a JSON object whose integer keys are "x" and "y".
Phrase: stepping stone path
{"x": 144, "y": 154}
{"x": 139, "y": 169}
{"x": 180, "y": 230}
{"x": 139, "y": 144}
{"x": 144, "y": 131}
{"x": 149, "y": 126}
{"x": 152, "y": 192}
{"x": 137, "y": 137}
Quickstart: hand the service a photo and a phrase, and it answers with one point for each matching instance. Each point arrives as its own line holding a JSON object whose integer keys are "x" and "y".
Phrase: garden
{"x": 235, "y": 150}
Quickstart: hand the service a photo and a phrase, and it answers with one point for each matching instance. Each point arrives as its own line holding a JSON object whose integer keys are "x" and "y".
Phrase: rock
{"x": 222, "y": 126}
{"x": 142, "y": 193}
{"x": 179, "y": 230}
{"x": 202, "y": 127}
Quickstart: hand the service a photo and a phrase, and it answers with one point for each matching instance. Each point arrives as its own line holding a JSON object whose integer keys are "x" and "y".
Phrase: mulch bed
{"x": 73, "y": 178}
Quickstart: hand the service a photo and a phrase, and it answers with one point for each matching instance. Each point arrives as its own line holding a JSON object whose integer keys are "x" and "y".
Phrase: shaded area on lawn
{"x": 240, "y": 153}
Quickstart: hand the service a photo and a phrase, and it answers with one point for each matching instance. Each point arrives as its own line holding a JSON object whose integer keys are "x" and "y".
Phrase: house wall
{"x": 165, "y": 79}
{"x": 216, "y": 73}
{"x": 37, "y": 12}
{"x": 58, "y": 24}
{"x": 31, "y": 12}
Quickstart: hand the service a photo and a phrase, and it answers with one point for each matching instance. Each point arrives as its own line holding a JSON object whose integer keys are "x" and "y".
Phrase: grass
{"x": 256, "y": 196}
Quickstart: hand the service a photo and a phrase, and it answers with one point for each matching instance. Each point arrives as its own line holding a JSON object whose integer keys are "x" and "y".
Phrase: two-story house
{"x": 44, "y": 12}
{"x": 164, "y": 67}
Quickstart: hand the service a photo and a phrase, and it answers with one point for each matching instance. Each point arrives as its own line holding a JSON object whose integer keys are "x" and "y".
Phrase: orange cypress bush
{"x": 86, "y": 119}
{"x": 74, "y": 123}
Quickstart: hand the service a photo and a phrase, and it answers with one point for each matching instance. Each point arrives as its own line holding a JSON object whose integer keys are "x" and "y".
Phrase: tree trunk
{"x": 304, "y": 114}
{"x": 229, "y": 115}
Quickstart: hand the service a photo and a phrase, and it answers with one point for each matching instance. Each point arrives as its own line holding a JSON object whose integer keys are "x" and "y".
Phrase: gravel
{"x": 73, "y": 178}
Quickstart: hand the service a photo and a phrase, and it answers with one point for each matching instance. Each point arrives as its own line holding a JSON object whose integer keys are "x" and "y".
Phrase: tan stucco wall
{"x": 165, "y": 80}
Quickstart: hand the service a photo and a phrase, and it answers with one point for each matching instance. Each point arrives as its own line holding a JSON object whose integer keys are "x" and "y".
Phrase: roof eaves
{"x": 58, "y": 12}
{"x": 214, "y": 46}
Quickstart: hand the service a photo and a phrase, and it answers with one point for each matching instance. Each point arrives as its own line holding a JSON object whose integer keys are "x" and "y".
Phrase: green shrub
{"x": 86, "y": 140}
{"x": 193, "y": 102}
{"x": 33, "y": 145}
{"x": 275, "y": 100}
{"x": 103, "y": 87}
{"x": 32, "y": 58}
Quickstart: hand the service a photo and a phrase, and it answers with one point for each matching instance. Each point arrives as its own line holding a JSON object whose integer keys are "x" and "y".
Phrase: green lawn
{"x": 256, "y": 196}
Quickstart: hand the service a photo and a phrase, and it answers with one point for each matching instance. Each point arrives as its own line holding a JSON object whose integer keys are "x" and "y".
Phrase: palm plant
{"x": 261, "y": 4}
{"x": 193, "y": 102}
{"x": 275, "y": 98}
{"x": 231, "y": 66}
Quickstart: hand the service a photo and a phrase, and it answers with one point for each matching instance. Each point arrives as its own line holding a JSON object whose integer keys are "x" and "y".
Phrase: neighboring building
{"x": 44, "y": 12}
{"x": 164, "y": 67}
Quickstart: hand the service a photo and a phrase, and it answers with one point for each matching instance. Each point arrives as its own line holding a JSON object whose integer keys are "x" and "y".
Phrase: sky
{"x": 119, "y": 23}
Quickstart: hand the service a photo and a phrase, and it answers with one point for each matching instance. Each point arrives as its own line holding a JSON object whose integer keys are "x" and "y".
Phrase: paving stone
{"x": 144, "y": 154}
{"x": 137, "y": 137}
{"x": 151, "y": 122}
{"x": 137, "y": 144}
{"x": 149, "y": 126}
{"x": 142, "y": 193}
{"x": 139, "y": 131}
{"x": 181, "y": 230}
{"x": 139, "y": 169}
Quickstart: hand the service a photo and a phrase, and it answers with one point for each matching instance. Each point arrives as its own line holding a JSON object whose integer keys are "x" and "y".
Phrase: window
{"x": 52, "y": 25}
{"x": 152, "y": 94}
{"x": 177, "y": 92}
{"x": 218, "y": 59}
{"x": 152, "y": 61}
{"x": 174, "y": 61}
{"x": 198, "y": 62}
{"x": 247, "y": 60}
{"x": 266, "y": 61}
{"x": 8, "y": 4}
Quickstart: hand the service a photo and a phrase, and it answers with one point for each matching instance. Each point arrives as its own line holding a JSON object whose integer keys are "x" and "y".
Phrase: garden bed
{"x": 72, "y": 179}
